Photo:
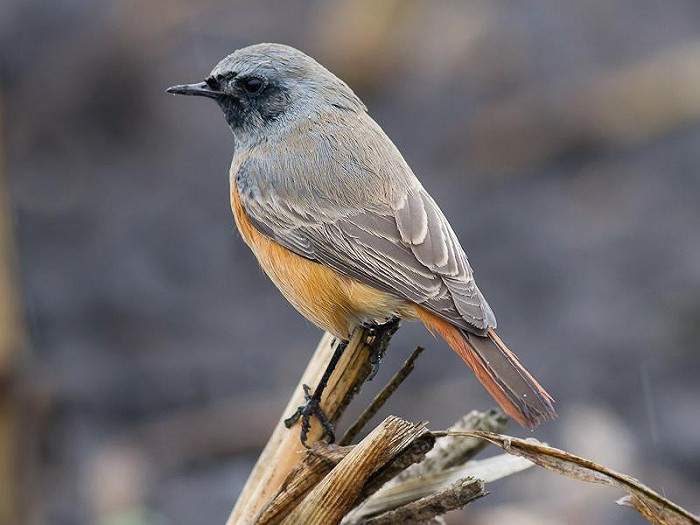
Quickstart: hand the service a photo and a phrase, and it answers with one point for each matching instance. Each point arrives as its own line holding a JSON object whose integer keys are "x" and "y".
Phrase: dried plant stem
{"x": 284, "y": 450}
{"x": 457, "y": 495}
{"x": 434, "y": 480}
{"x": 381, "y": 398}
{"x": 338, "y": 492}
{"x": 318, "y": 461}
{"x": 451, "y": 451}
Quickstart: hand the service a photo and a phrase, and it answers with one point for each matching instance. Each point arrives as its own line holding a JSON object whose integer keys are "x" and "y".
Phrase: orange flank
{"x": 333, "y": 301}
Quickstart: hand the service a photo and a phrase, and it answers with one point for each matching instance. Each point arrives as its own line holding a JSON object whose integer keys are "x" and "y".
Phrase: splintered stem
{"x": 284, "y": 450}
{"x": 381, "y": 398}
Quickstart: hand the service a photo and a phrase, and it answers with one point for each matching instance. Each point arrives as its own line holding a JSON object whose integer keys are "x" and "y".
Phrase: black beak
{"x": 200, "y": 89}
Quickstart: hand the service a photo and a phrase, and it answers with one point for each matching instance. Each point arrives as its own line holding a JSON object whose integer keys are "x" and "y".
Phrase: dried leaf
{"x": 405, "y": 492}
{"x": 650, "y": 504}
{"x": 440, "y": 467}
{"x": 452, "y": 451}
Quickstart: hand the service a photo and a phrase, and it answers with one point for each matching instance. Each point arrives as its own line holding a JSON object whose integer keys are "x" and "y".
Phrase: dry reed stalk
{"x": 284, "y": 450}
{"x": 338, "y": 492}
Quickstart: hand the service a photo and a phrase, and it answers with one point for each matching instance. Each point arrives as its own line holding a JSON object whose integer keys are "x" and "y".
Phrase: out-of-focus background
{"x": 144, "y": 358}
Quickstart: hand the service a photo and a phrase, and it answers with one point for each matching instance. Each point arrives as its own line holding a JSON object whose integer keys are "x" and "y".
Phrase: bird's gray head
{"x": 268, "y": 85}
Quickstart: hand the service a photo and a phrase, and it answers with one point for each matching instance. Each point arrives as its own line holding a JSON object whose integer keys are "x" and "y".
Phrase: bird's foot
{"x": 380, "y": 334}
{"x": 305, "y": 411}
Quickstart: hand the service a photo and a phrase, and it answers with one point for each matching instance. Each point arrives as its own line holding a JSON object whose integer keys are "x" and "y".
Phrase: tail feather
{"x": 498, "y": 370}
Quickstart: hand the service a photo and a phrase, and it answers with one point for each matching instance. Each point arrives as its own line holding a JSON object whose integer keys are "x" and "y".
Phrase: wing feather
{"x": 385, "y": 231}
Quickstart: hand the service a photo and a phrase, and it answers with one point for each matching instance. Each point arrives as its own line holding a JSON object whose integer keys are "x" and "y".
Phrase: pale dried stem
{"x": 317, "y": 463}
{"x": 381, "y": 398}
{"x": 451, "y": 451}
{"x": 457, "y": 495}
{"x": 338, "y": 492}
{"x": 284, "y": 450}
{"x": 433, "y": 480}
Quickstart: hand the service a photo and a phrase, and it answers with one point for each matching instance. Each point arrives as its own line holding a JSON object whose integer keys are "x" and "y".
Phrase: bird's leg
{"x": 381, "y": 335}
{"x": 311, "y": 406}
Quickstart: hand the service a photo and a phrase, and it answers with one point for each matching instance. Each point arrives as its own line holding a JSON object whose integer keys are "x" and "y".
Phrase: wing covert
{"x": 392, "y": 237}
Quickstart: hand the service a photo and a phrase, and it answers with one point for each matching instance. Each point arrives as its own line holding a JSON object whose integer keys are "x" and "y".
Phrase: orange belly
{"x": 330, "y": 300}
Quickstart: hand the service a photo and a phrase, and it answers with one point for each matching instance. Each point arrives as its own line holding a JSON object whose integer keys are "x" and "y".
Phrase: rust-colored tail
{"x": 497, "y": 369}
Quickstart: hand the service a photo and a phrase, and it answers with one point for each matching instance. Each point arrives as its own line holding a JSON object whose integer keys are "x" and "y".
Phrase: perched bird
{"x": 342, "y": 226}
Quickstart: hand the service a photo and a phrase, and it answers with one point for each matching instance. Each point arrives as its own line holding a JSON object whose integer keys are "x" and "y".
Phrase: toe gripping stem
{"x": 379, "y": 334}
{"x": 312, "y": 405}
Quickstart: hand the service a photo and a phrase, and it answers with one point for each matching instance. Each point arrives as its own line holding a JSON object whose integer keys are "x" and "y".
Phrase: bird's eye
{"x": 212, "y": 82}
{"x": 253, "y": 84}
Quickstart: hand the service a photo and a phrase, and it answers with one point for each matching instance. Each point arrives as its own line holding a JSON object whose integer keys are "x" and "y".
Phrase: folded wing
{"x": 407, "y": 248}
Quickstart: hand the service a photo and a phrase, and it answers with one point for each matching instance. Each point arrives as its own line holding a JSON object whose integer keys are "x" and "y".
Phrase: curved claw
{"x": 380, "y": 334}
{"x": 305, "y": 411}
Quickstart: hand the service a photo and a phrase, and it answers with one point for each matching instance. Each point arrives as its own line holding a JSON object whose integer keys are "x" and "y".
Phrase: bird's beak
{"x": 200, "y": 89}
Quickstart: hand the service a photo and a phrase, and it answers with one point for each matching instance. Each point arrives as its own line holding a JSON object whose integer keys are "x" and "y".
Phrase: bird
{"x": 343, "y": 227}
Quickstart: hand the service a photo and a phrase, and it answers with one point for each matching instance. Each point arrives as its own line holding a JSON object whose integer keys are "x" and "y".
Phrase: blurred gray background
{"x": 148, "y": 357}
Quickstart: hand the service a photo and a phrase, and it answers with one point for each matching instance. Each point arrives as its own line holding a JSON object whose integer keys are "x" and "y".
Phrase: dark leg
{"x": 311, "y": 407}
{"x": 381, "y": 335}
